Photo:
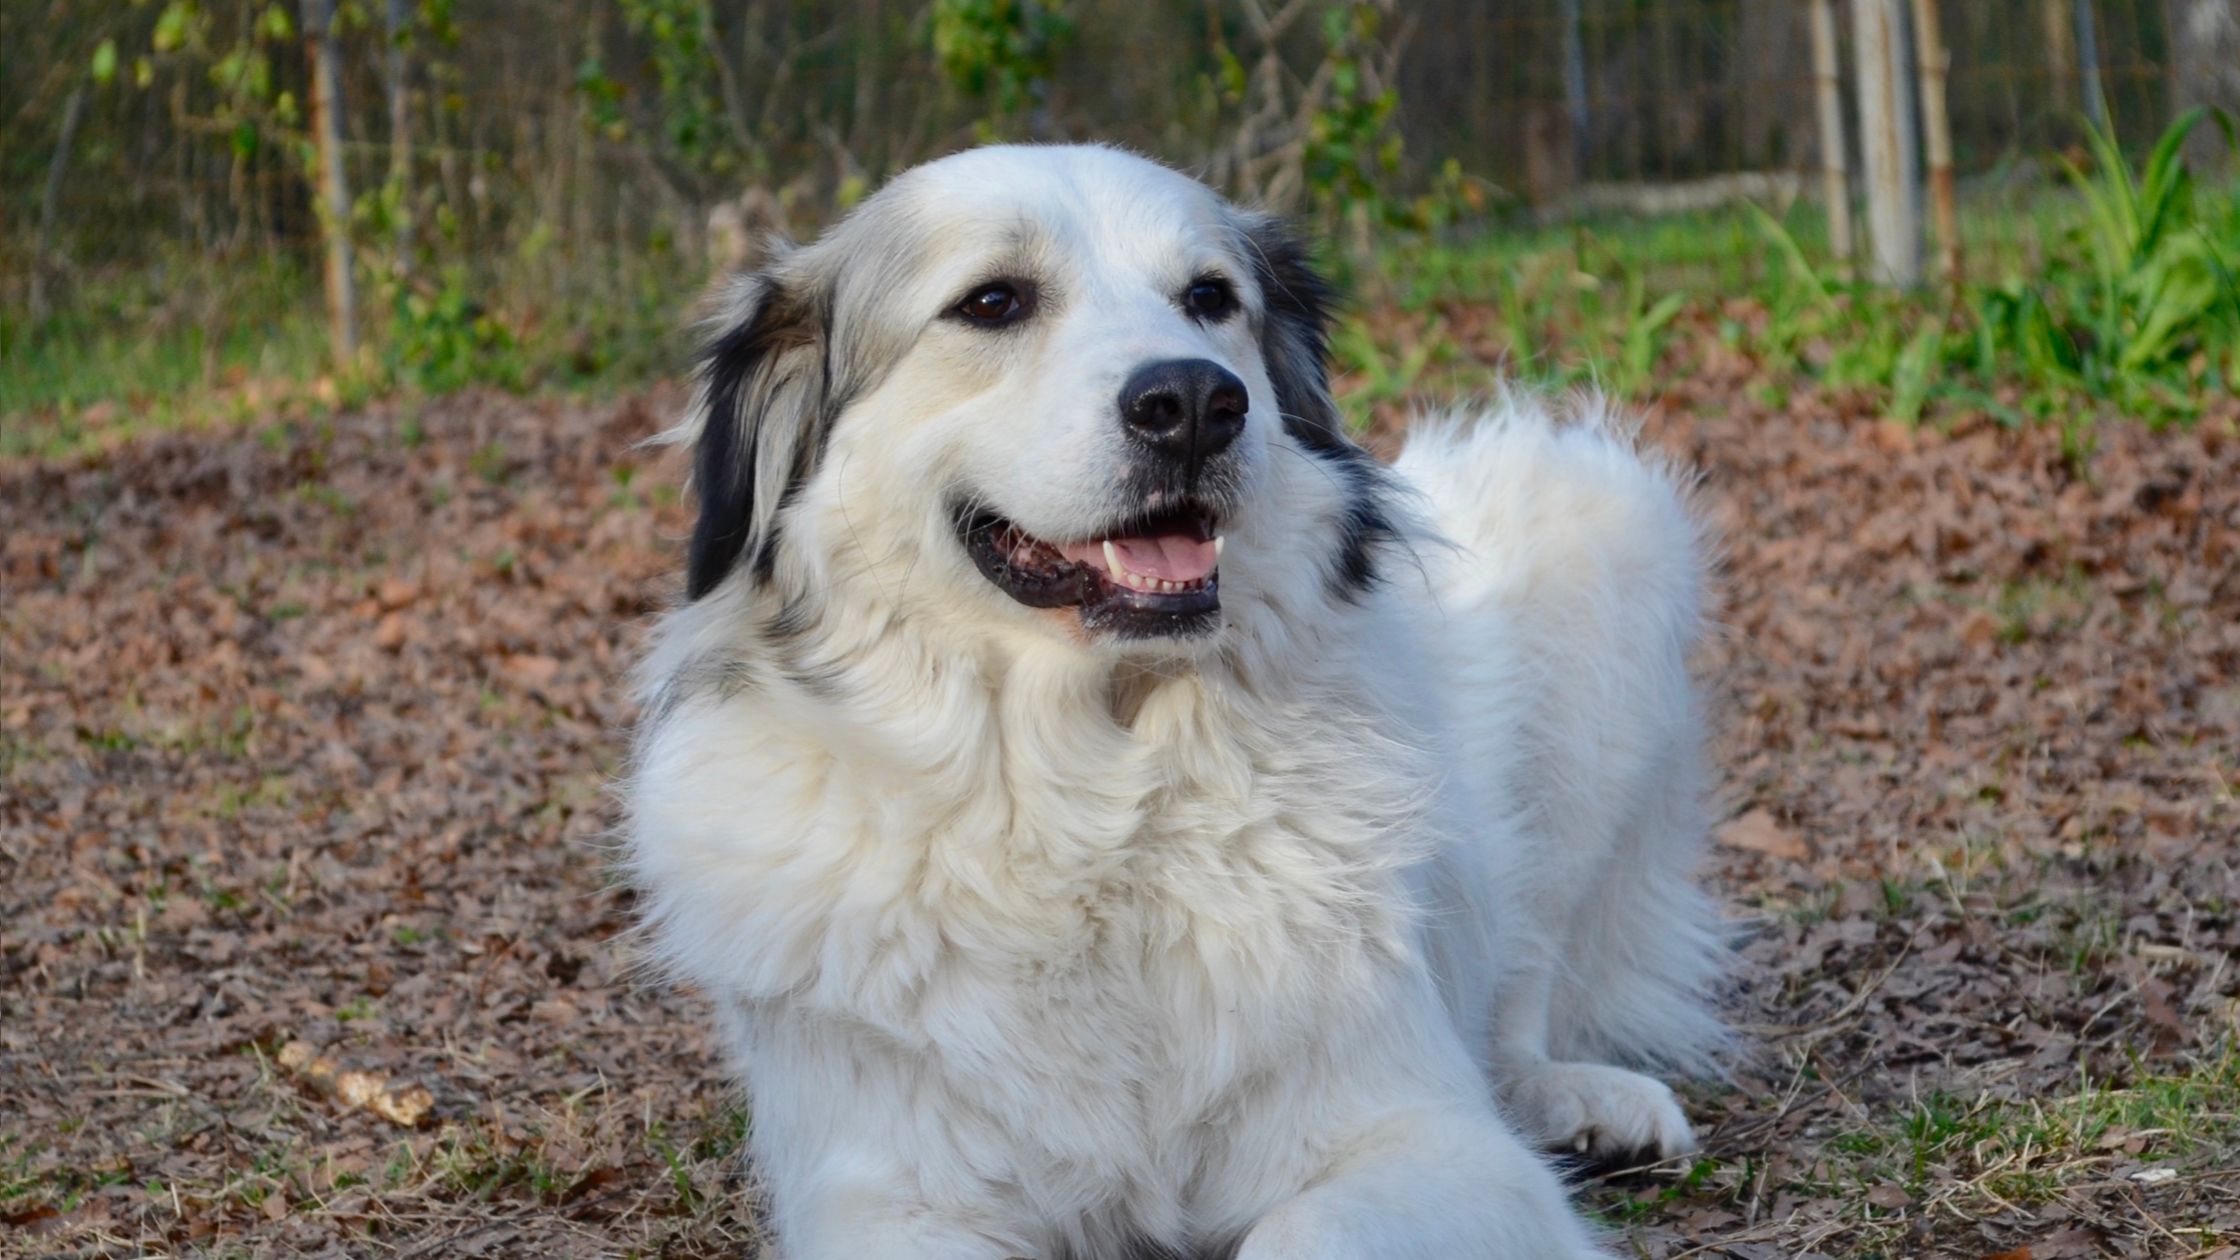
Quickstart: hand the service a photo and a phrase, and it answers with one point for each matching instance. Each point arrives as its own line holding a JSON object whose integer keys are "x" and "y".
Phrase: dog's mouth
{"x": 1153, "y": 576}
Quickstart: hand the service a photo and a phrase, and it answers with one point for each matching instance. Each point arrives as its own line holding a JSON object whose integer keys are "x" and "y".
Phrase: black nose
{"x": 1186, "y": 408}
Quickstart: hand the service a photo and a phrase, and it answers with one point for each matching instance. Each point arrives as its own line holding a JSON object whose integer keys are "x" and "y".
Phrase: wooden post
{"x": 334, "y": 186}
{"x": 2088, "y": 64}
{"x": 1827, "y": 80}
{"x": 1936, "y": 135}
{"x": 1886, "y": 142}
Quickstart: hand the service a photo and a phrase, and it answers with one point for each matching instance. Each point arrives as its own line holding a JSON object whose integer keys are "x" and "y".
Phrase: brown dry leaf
{"x": 2019, "y": 1253}
{"x": 395, "y": 593}
{"x": 1759, "y": 832}
{"x": 1889, "y": 1195}
{"x": 531, "y": 670}
{"x": 406, "y": 1105}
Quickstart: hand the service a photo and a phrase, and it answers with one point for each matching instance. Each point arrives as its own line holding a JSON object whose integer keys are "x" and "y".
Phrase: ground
{"x": 309, "y": 943}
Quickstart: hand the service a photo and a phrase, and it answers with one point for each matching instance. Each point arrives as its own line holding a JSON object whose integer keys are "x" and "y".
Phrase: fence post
{"x": 1575, "y": 89}
{"x": 1886, "y": 142}
{"x": 1827, "y": 81}
{"x": 2088, "y": 64}
{"x": 334, "y": 187}
{"x": 1936, "y": 134}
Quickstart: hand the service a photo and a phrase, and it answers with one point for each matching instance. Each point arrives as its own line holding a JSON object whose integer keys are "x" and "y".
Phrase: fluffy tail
{"x": 1577, "y": 559}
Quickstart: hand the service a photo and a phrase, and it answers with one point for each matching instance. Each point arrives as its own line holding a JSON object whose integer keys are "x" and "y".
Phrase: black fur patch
{"x": 1295, "y": 344}
{"x": 759, "y": 378}
{"x": 1295, "y": 339}
{"x": 1365, "y": 528}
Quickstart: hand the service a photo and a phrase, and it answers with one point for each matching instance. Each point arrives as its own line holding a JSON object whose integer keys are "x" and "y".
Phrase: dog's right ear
{"x": 761, "y": 419}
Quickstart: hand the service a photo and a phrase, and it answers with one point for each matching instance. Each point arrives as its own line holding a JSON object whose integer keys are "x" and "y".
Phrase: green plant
{"x": 2140, "y": 322}
{"x": 441, "y": 338}
{"x": 1000, "y": 51}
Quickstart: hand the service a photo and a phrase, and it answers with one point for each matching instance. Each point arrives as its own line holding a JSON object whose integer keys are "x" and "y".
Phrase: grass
{"x": 2111, "y": 291}
{"x": 188, "y": 340}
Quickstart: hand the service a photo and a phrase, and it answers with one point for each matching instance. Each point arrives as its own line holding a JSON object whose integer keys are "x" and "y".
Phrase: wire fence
{"x": 560, "y": 125}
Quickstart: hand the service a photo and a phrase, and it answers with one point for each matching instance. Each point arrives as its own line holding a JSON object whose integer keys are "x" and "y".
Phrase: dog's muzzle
{"x": 1156, "y": 576}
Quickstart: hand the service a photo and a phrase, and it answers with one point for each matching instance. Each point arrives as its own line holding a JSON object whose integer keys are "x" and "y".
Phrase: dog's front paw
{"x": 1603, "y": 1114}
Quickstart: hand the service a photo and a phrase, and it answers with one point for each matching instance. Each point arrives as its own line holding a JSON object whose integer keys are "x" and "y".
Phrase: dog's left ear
{"x": 1295, "y": 343}
{"x": 762, "y": 420}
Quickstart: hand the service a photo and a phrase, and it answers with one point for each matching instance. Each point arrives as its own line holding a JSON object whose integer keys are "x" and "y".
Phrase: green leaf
{"x": 105, "y": 62}
{"x": 171, "y": 25}
{"x": 1913, "y": 374}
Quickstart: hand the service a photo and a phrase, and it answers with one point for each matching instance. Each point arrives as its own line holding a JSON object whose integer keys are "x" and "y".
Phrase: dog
{"x": 1112, "y": 814}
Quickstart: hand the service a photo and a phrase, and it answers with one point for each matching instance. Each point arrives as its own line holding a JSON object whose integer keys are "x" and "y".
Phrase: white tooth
{"x": 1112, "y": 563}
{"x": 1219, "y": 541}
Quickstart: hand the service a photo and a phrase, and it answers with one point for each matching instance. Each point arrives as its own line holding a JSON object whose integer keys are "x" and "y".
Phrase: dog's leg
{"x": 1449, "y": 1184}
{"x": 863, "y": 1220}
{"x": 848, "y": 1177}
{"x": 1605, "y": 1114}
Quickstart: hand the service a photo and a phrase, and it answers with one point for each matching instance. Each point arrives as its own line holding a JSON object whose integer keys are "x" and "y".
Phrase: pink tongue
{"x": 1169, "y": 557}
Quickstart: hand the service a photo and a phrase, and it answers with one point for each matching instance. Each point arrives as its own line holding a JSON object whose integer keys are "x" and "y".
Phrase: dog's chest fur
{"x": 1097, "y": 936}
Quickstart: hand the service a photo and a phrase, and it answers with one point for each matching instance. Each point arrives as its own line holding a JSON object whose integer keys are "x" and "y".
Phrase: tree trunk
{"x": 2061, "y": 55}
{"x": 1936, "y": 135}
{"x": 2204, "y": 69}
{"x": 1834, "y": 164}
{"x": 73, "y": 112}
{"x": 400, "y": 126}
{"x": 1886, "y": 142}
{"x": 334, "y": 185}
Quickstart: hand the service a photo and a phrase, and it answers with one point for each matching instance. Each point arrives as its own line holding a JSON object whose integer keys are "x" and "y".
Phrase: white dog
{"x": 1116, "y": 817}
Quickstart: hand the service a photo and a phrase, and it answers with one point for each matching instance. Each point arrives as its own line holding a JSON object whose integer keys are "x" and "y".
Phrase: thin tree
{"x": 399, "y": 68}
{"x": 1886, "y": 142}
{"x": 334, "y": 187}
{"x": 1827, "y": 81}
{"x": 73, "y": 112}
{"x": 2204, "y": 67}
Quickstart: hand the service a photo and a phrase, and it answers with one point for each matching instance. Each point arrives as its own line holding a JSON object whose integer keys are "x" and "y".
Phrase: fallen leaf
{"x": 1758, "y": 832}
{"x": 405, "y": 1105}
{"x": 1889, "y": 1195}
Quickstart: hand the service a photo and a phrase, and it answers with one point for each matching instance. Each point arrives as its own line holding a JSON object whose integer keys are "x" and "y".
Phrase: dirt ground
{"x": 308, "y": 945}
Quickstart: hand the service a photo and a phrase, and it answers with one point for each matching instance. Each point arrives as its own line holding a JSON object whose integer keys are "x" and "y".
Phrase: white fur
{"x": 1029, "y": 944}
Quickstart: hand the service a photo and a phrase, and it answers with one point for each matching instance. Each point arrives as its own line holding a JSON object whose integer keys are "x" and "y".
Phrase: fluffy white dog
{"x": 1113, "y": 815}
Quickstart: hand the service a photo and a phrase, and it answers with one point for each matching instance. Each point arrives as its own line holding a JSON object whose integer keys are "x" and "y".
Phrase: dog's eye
{"x": 1210, "y": 297}
{"x": 993, "y": 304}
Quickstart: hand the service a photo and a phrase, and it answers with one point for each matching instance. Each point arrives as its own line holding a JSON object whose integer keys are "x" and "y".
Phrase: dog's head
{"x": 1059, "y": 388}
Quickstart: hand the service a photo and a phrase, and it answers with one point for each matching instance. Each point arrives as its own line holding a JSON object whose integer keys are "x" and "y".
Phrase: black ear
{"x": 1295, "y": 346}
{"x": 1295, "y": 343}
{"x": 762, "y": 420}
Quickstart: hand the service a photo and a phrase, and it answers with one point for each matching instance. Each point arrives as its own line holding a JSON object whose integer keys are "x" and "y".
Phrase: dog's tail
{"x": 1582, "y": 556}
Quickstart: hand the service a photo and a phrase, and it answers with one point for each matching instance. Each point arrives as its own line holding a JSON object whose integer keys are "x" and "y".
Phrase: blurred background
{"x": 531, "y": 193}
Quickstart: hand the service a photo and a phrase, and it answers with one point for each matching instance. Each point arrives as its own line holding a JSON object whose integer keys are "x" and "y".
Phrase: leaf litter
{"x": 309, "y": 944}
